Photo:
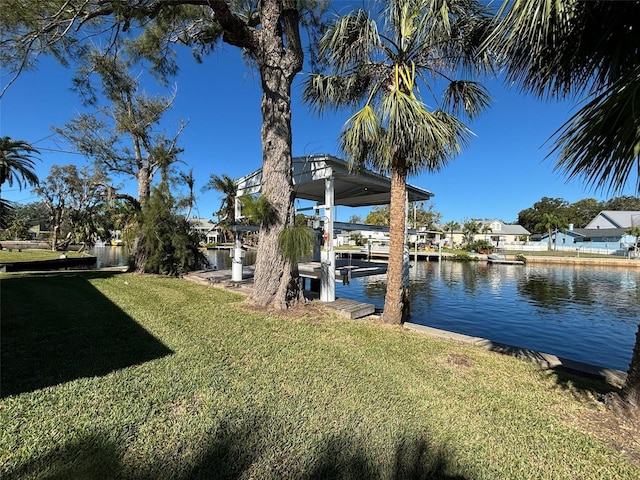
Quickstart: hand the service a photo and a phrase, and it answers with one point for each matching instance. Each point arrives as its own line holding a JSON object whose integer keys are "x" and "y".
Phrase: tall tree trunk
{"x": 275, "y": 283}
{"x": 139, "y": 255}
{"x": 138, "y": 249}
{"x": 396, "y": 296}
{"x": 144, "y": 186}
{"x": 631, "y": 391}
{"x": 54, "y": 238}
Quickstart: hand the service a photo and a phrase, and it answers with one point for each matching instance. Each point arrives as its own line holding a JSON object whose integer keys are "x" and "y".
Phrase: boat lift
{"x": 326, "y": 180}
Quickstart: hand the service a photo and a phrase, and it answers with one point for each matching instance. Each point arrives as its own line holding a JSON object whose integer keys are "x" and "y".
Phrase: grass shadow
{"x": 415, "y": 459}
{"x": 80, "y": 333}
{"x": 93, "y": 457}
{"x": 583, "y": 385}
{"x": 340, "y": 457}
{"x": 235, "y": 454}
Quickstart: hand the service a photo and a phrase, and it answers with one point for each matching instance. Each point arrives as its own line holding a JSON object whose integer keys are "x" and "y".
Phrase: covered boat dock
{"x": 328, "y": 181}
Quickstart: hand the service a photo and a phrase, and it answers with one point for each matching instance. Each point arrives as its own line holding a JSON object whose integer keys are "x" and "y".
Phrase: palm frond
{"x": 470, "y": 31}
{"x": 467, "y": 97}
{"x": 530, "y": 37}
{"x": 601, "y": 143}
{"x": 17, "y": 162}
{"x": 437, "y": 141}
{"x": 359, "y": 135}
{"x": 559, "y": 48}
{"x": 349, "y": 41}
{"x": 324, "y": 92}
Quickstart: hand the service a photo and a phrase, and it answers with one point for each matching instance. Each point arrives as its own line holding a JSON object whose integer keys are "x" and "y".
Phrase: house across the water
{"x": 606, "y": 233}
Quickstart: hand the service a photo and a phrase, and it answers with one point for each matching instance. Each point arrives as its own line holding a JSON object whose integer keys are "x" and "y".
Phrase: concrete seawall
{"x": 545, "y": 361}
{"x": 587, "y": 261}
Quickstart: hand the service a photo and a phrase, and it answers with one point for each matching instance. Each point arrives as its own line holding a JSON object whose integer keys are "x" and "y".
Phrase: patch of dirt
{"x": 459, "y": 360}
{"x": 618, "y": 428}
{"x": 308, "y": 310}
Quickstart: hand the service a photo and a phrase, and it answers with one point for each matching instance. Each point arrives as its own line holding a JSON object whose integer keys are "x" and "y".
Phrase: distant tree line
{"x": 579, "y": 213}
{"x": 420, "y": 215}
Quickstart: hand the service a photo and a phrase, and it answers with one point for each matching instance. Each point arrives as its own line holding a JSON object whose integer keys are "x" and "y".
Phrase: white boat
{"x": 501, "y": 258}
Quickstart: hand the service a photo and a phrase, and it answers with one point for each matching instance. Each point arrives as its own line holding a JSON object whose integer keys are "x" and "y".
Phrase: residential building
{"x": 498, "y": 233}
{"x": 206, "y": 228}
{"x": 606, "y": 233}
{"x": 615, "y": 219}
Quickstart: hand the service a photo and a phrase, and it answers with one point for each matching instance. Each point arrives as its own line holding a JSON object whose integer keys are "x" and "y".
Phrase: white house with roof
{"x": 498, "y": 233}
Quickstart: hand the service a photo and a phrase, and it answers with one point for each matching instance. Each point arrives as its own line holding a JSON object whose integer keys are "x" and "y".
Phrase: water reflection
{"x": 586, "y": 314}
{"x": 109, "y": 256}
{"x": 220, "y": 259}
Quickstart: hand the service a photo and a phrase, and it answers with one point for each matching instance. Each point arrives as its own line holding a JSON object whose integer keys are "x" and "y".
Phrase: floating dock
{"x": 346, "y": 268}
{"x": 502, "y": 261}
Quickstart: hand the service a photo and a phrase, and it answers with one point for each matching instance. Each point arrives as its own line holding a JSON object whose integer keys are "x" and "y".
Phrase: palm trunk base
{"x": 627, "y": 402}
{"x": 406, "y": 304}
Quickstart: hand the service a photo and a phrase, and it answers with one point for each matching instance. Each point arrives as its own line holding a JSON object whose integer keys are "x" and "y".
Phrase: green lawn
{"x": 32, "y": 255}
{"x": 109, "y": 375}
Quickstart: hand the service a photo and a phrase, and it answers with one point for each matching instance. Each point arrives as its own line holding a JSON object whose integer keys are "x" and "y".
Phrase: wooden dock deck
{"x": 350, "y": 308}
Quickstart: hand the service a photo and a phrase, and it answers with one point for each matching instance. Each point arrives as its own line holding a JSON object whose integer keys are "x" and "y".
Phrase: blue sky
{"x": 502, "y": 172}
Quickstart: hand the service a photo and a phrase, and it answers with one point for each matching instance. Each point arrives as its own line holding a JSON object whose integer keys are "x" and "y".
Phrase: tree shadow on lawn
{"x": 56, "y": 327}
{"x": 233, "y": 455}
{"x": 236, "y": 454}
{"x": 582, "y": 385}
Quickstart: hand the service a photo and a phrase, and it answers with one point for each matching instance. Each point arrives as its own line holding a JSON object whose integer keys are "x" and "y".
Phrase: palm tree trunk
{"x": 396, "y": 298}
{"x": 631, "y": 391}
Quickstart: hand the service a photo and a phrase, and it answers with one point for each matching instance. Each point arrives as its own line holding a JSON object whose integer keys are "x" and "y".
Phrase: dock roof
{"x": 359, "y": 189}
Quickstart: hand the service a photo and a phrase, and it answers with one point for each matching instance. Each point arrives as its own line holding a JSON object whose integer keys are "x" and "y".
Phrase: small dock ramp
{"x": 351, "y": 308}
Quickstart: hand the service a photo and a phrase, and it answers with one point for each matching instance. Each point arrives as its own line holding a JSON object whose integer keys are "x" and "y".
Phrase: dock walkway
{"x": 350, "y": 308}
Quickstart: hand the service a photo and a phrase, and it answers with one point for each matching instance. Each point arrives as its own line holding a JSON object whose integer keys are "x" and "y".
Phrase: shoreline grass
{"x": 131, "y": 376}
{"x": 36, "y": 255}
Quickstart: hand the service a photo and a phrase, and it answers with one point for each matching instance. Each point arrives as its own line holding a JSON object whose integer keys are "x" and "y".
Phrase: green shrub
{"x": 462, "y": 257}
{"x": 480, "y": 246}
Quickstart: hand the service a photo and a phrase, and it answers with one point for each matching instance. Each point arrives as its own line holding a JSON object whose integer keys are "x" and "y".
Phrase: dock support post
{"x": 328, "y": 254}
{"x": 237, "y": 257}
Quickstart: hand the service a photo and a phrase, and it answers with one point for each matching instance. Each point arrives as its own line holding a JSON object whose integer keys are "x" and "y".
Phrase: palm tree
{"x": 17, "y": 162}
{"x": 486, "y": 228}
{"x": 377, "y": 63}
{"x": 551, "y": 222}
{"x": 470, "y": 229}
{"x": 557, "y": 49}
{"x": 227, "y": 187}
{"x": 450, "y": 227}
{"x": 577, "y": 48}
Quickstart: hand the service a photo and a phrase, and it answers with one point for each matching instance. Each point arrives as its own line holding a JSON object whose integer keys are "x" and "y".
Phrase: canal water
{"x": 587, "y": 314}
